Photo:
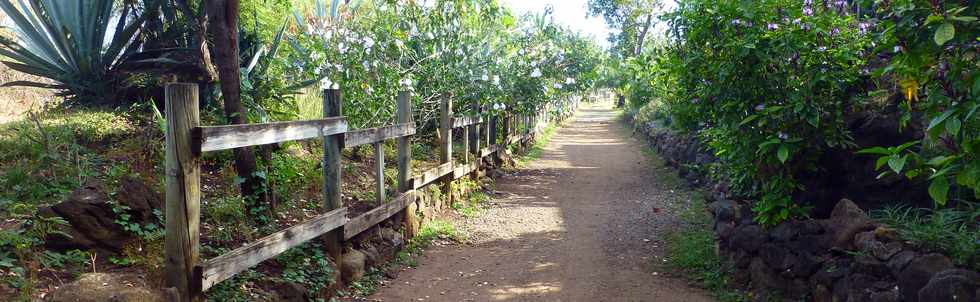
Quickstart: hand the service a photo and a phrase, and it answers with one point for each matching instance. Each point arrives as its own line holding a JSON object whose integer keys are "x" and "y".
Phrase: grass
{"x": 952, "y": 231}
{"x": 535, "y": 151}
{"x": 691, "y": 249}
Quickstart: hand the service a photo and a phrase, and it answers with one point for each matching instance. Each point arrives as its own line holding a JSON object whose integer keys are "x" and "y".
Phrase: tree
{"x": 632, "y": 18}
{"x": 223, "y": 26}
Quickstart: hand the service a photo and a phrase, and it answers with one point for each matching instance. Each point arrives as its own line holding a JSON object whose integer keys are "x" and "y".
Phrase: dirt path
{"x": 582, "y": 223}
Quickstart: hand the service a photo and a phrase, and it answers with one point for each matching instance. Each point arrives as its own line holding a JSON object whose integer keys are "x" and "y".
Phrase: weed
{"x": 535, "y": 151}
{"x": 953, "y": 231}
{"x": 692, "y": 250}
{"x": 307, "y": 265}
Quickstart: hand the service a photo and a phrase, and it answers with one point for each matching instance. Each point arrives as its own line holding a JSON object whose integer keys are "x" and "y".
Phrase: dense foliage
{"x": 475, "y": 51}
{"x": 769, "y": 85}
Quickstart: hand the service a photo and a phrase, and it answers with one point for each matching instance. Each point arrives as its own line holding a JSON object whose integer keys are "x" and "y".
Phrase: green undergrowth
{"x": 952, "y": 231}
{"x": 430, "y": 232}
{"x": 691, "y": 248}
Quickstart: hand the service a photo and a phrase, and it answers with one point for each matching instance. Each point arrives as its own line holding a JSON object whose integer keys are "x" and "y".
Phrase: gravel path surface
{"x": 582, "y": 223}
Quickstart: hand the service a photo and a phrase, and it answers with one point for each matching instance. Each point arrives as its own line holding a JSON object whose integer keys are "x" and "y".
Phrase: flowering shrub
{"x": 476, "y": 51}
{"x": 768, "y": 84}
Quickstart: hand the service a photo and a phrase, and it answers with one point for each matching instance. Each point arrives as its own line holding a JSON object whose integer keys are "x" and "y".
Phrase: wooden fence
{"x": 187, "y": 139}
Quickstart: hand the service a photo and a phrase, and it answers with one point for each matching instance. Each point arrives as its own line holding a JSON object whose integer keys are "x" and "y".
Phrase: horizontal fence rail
{"x": 214, "y": 138}
{"x": 227, "y": 265}
{"x": 186, "y": 140}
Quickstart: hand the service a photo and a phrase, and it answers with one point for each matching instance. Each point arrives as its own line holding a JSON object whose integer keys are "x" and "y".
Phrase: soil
{"x": 584, "y": 222}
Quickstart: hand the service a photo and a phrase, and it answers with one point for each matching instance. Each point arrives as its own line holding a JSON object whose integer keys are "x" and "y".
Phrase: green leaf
{"x": 881, "y": 162}
{"x": 875, "y": 150}
{"x": 782, "y": 153}
{"x": 940, "y": 119}
{"x": 953, "y": 126}
{"x": 939, "y": 190}
{"x": 897, "y": 163}
{"x": 944, "y": 33}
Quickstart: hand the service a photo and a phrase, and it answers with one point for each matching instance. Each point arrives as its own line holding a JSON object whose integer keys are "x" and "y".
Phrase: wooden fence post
{"x": 332, "y": 145}
{"x": 446, "y": 149}
{"x": 379, "y": 170}
{"x": 183, "y": 195}
{"x": 404, "y": 115}
{"x": 474, "y": 144}
{"x": 493, "y": 139}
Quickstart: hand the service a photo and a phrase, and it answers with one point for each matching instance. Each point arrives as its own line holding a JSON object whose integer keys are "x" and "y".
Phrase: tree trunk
{"x": 643, "y": 35}
{"x": 223, "y": 25}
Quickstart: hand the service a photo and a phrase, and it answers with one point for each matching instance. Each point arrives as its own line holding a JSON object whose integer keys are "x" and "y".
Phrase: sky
{"x": 572, "y": 13}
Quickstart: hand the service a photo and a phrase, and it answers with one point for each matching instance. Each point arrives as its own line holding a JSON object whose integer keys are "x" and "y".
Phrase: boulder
{"x": 352, "y": 265}
{"x": 724, "y": 229}
{"x": 870, "y": 266}
{"x": 723, "y": 210}
{"x": 785, "y": 231}
{"x": 898, "y": 262}
{"x": 886, "y": 251}
{"x": 951, "y": 285}
{"x": 773, "y": 255}
{"x": 92, "y": 221}
{"x": 919, "y": 272}
{"x": 101, "y": 287}
{"x": 764, "y": 276}
{"x": 890, "y": 295}
{"x": 291, "y": 292}
{"x": 749, "y": 237}
{"x": 846, "y": 220}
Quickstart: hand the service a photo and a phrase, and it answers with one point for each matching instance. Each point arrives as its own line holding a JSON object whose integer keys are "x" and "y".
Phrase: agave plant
{"x": 78, "y": 45}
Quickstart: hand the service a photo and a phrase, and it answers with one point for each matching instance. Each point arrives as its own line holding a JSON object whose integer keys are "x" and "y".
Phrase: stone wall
{"x": 845, "y": 257}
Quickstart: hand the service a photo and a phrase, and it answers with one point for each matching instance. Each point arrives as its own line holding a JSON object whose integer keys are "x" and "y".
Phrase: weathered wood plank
{"x": 373, "y": 135}
{"x": 183, "y": 190}
{"x": 463, "y": 121}
{"x": 489, "y": 150}
{"x": 220, "y": 268}
{"x": 213, "y": 138}
{"x": 333, "y": 241}
{"x": 404, "y": 115}
{"x": 379, "y": 173}
{"x": 377, "y": 215}
{"x": 446, "y": 148}
{"x": 431, "y": 175}
{"x": 464, "y": 169}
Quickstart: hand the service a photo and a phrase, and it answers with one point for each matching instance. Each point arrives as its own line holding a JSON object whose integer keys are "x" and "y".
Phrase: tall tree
{"x": 223, "y": 26}
{"x": 633, "y": 19}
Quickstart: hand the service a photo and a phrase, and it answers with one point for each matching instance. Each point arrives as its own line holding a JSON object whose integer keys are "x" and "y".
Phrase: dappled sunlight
{"x": 536, "y": 288}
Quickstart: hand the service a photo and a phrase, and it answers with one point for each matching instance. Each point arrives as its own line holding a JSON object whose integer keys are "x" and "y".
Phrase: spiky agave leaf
{"x": 73, "y": 43}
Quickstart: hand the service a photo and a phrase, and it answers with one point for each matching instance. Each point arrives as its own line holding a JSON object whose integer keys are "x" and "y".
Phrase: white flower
{"x": 325, "y": 83}
{"x": 760, "y": 107}
{"x": 485, "y": 77}
{"x": 317, "y": 70}
{"x": 496, "y": 106}
{"x": 536, "y": 73}
{"x": 496, "y": 80}
{"x": 783, "y": 136}
{"x": 399, "y": 43}
{"x": 569, "y": 81}
{"x": 368, "y": 42}
{"x": 429, "y": 35}
{"x": 342, "y": 47}
{"x": 557, "y": 85}
{"x": 366, "y": 65}
{"x": 406, "y": 83}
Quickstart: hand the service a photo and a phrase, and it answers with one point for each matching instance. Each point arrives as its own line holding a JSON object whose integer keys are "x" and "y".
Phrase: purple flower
{"x": 897, "y": 49}
{"x": 772, "y": 26}
{"x": 834, "y": 32}
{"x": 808, "y": 11}
{"x": 864, "y": 27}
{"x": 822, "y": 48}
{"x": 736, "y": 22}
